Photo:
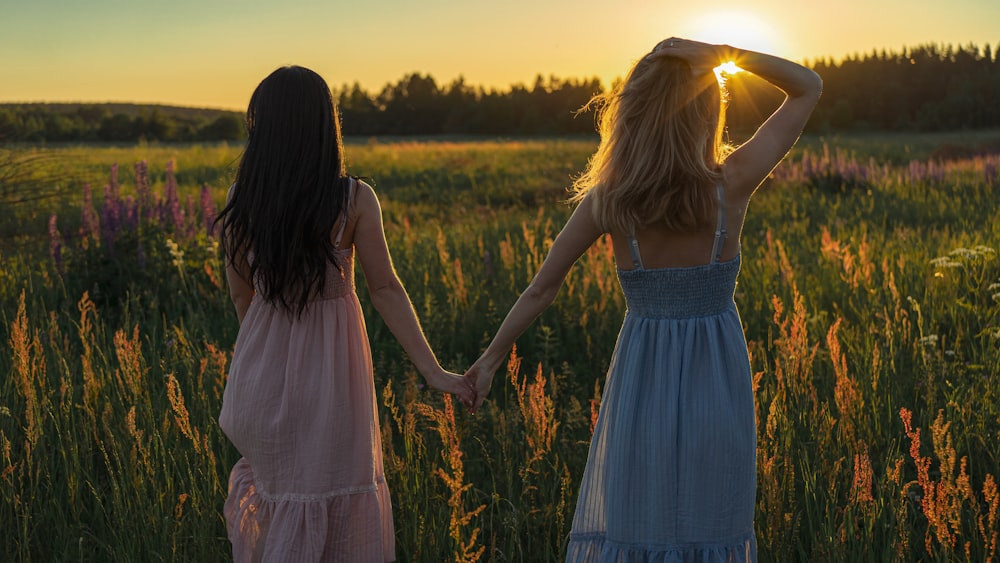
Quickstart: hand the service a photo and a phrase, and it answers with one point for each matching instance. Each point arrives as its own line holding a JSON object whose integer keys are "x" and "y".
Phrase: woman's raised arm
{"x": 749, "y": 164}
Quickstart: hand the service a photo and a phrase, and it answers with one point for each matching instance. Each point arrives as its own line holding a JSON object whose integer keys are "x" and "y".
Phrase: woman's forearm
{"x": 528, "y": 307}
{"x": 790, "y": 77}
{"x": 394, "y": 305}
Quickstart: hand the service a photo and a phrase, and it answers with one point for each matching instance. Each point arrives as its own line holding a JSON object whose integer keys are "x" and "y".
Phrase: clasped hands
{"x": 470, "y": 389}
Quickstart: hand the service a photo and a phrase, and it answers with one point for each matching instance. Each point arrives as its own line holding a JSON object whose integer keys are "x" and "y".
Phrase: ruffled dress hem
{"x": 282, "y": 527}
{"x": 598, "y": 548}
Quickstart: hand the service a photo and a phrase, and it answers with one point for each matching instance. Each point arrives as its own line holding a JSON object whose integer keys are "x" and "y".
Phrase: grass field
{"x": 869, "y": 291}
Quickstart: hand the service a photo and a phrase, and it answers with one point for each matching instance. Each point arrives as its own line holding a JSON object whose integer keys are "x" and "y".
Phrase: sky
{"x": 213, "y": 53}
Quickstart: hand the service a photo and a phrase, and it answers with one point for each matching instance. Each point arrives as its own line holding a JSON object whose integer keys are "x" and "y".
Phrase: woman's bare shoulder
{"x": 363, "y": 197}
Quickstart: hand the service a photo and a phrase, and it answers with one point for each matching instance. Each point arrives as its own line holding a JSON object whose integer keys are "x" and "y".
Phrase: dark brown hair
{"x": 290, "y": 189}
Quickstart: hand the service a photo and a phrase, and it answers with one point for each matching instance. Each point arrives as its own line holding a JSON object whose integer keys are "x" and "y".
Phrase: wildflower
{"x": 173, "y": 204}
{"x": 130, "y": 216}
{"x": 945, "y": 262}
{"x": 929, "y": 340}
{"x": 143, "y": 193}
{"x": 962, "y": 253}
{"x": 110, "y": 218}
{"x": 180, "y": 411}
{"x": 208, "y": 211}
{"x": 89, "y": 227}
{"x": 861, "y": 487}
{"x": 176, "y": 253}
{"x": 974, "y": 253}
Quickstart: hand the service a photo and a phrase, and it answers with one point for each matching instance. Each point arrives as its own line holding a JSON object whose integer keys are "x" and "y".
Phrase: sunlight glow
{"x": 725, "y": 70}
{"x": 735, "y": 28}
{"x": 728, "y": 67}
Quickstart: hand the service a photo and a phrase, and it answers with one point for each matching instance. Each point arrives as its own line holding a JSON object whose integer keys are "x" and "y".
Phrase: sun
{"x": 736, "y": 28}
{"x": 729, "y": 67}
{"x": 725, "y": 70}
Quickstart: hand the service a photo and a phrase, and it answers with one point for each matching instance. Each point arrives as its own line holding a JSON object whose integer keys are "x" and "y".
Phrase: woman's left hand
{"x": 455, "y": 384}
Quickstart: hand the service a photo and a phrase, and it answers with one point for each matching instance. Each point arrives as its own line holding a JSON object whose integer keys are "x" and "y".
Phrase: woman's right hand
{"x": 457, "y": 385}
{"x": 702, "y": 57}
{"x": 480, "y": 377}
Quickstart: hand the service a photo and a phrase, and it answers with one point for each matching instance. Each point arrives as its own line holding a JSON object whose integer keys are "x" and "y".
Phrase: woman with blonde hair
{"x": 671, "y": 472}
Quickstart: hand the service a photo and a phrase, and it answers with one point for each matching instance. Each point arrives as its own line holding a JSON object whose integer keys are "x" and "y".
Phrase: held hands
{"x": 455, "y": 384}
{"x": 470, "y": 389}
{"x": 480, "y": 377}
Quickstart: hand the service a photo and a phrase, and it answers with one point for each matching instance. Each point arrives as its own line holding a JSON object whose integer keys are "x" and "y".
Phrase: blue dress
{"x": 671, "y": 472}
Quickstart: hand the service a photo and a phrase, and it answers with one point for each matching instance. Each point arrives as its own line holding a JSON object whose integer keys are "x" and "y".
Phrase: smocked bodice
{"x": 339, "y": 282}
{"x": 679, "y": 293}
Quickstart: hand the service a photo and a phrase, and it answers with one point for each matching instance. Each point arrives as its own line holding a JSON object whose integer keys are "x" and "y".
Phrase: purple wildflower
{"x": 89, "y": 225}
{"x": 807, "y": 164}
{"x": 208, "y": 210}
{"x": 173, "y": 204}
{"x": 144, "y": 198}
{"x": 110, "y": 220}
{"x": 130, "y": 213}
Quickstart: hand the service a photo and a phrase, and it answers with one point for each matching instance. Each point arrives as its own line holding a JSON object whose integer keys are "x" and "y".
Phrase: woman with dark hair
{"x": 299, "y": 403}
{"x": 671, "y": 472}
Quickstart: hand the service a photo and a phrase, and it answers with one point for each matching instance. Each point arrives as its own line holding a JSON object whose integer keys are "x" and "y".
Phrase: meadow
{"x": 869, "y": 291}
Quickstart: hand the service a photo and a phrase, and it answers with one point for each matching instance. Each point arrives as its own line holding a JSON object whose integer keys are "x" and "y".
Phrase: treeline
{"x": 925, "y": 88}
{"x": 116, "y": 123}
{"x": 416, "y": 105}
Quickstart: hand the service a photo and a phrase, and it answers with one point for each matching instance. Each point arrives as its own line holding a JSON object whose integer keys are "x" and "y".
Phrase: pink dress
{"x": 299, "y": 405}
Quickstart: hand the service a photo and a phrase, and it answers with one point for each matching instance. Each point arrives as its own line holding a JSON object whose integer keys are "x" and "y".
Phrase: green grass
{"x": 871, "y": 306}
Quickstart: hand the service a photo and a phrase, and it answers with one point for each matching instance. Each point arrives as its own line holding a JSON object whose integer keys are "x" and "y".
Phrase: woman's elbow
{"x": 542, "y": 294}
{"x": 815, "y": 85}
{"x": 386, "y": 292}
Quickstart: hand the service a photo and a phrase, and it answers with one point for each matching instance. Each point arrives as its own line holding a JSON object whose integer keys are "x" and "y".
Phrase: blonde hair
{"x": 661, "y": 148}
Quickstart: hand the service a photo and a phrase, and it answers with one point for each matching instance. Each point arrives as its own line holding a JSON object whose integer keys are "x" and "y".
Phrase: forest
{"x": 926, "y": 88}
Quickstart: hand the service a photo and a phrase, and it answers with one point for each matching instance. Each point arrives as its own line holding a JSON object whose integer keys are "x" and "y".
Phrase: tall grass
{"x": 870, "y": 294}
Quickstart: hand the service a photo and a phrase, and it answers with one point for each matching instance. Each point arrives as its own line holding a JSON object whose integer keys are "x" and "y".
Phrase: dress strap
{"x": 343, "y": 214}
{"x": 633, "y": 249}
{"x": 720, "y": 225}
